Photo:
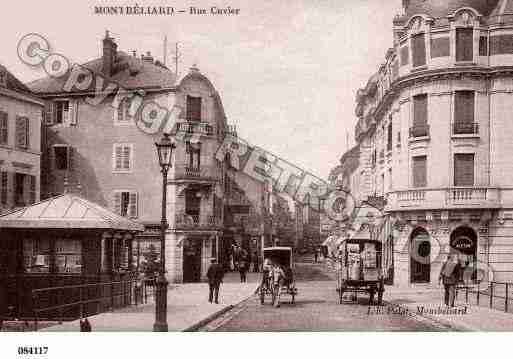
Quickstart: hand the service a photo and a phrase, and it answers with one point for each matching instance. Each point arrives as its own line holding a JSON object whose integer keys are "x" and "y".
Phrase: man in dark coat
{"x": 215, "y": 276}
{"x": 450, "y": 276}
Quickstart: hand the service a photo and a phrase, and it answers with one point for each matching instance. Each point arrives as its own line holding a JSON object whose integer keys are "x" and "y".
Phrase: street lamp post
{"x": 164, "y": 150}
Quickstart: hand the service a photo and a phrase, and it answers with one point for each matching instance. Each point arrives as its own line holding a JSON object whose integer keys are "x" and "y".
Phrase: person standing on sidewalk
{"x": 243, "y": 268}
{"x": 449, "y": 276}
{"x": 215, "y": 276}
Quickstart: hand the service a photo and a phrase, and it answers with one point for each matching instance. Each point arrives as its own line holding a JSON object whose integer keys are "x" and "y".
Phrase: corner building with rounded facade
{"x": 435, "y": 134}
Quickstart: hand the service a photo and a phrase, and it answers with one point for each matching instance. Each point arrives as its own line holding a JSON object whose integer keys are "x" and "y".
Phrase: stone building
{"x": 20, "y": 143}
{"x": 434, "y": 139}
{"x": 99, "y": 148}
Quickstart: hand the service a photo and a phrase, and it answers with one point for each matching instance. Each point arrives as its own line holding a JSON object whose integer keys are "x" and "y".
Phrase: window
{"x": 192, "y": 203}
{"x": 122, "y": 112}
{"x": 4, "y": 129}
{"x": 32, "y": 189}
{"x": 389, "y": 136}
{"x": 465, "y": 44}
{"x": 464, "y": 170}
{"x": 193, "y": 155}
{"x": 36, "y": 255}
{"x": 61, "y": 112}
{"x": 61, "y": 157}
{"x": 419, "y": 171}
{"x": 68, "y": 256}
{"x": 193, "y": 112}
{"x": 4, "y": 186}
{"x": 22, "y": 133}
{"x": 19, "y": 189}
{"x": 420, "y": 116}
{"x": 390, "y": 179}
{"x": 399, "y": 139}
{"x": 418, "y": 50}
{"x": 125, "y": 203}
{"x": 405, "y": 54}
{"x": 122, "y": 157}
{"x": 483, "y": 46}
{"x": 464, "y": 112}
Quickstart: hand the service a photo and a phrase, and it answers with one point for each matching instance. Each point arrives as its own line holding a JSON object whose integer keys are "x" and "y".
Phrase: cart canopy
{"x": 279, "y": 255}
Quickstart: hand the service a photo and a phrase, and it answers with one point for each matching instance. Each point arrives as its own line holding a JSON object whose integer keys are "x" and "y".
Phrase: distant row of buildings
{"x": 433, "y": 141}
{"x": 53, "y": 141}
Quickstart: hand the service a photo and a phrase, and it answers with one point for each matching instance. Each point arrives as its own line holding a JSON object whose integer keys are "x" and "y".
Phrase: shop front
{"x": 65, "y": 241}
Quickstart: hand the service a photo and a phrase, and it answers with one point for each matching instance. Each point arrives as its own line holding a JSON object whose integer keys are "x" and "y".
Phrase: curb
{"x": 220, "y": 312}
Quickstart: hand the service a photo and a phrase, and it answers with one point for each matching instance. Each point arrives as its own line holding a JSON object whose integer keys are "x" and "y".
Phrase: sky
{"x": 287, "y": 71}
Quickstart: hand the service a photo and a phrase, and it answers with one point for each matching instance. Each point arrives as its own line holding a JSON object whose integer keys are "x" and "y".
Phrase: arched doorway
{"x": 420, "y": 256}
{"x": 463, "y": 244}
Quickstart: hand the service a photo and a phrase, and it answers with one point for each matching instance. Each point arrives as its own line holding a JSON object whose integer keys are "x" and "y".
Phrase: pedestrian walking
{"x": 243, "y": 268}
{"x": 215, "y": 276}
{"x": 449, "y": 276}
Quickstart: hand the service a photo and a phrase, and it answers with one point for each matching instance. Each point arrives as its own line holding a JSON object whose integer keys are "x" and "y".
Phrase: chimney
{"x": 109, "y": 54}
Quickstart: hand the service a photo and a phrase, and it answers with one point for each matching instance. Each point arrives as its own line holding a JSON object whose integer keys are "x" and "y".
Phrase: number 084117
{"x": 27, "y": 350}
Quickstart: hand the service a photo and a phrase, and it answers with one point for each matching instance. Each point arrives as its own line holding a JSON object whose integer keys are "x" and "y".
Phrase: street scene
{"x": 317, "y": 168}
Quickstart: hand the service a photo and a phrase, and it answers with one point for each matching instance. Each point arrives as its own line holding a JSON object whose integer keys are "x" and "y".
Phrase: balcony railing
{"x": 196, "y": 222}
{"x": 419, "y": 131}
{"x": 231, "y": 130}
{"x": 188, "y": 172}
{"x": 195, "y": 127}
{"x": 464, "y": 128}
{"x": 440, "y": 198}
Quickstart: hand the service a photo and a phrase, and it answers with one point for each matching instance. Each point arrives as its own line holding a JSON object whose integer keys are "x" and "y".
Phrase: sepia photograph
{"x": 255, "y": 167}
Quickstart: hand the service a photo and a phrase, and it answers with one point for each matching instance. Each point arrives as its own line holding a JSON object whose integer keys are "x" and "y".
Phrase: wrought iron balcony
{"x": 465, "y": 128}
{"x": 195, "y": 127}
{"x": 188, "y": 172}
{"x": 186, "y": 222}
{"x": 419, "y": 131}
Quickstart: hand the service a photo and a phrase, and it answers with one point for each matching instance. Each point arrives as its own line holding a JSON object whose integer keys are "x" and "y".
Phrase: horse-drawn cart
{"x": 280, "y": 278}
{"x": 360, "y": 268}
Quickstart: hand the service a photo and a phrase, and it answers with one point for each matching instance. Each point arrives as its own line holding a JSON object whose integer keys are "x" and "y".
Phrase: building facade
{"x": 98, "y": 148}
{"x": 434, "y": 140}
{"x": 20, "y": 143}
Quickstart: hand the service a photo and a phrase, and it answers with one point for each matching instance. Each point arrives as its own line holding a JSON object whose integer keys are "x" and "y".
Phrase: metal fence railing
{"x": 496, "y": 295}
{"x": 81, "y": 301}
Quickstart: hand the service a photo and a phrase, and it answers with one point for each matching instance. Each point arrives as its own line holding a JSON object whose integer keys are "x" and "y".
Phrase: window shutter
{"x": 21, "y": 133}
{"x": 32, "y": 189}
{"x": 70, "y": 158}
{"x": 419, "y": 50}
{"x": 4, "y": 128}
{"x": 73, "y": 112}
{"x": 132, "y": 207}
{"x": 126, "y": 157}
{"x": 116, "y": 207}
{"x": 49, "y": 112}
{"x": 464, "y": 170}
{"x": 4, "y": 187}
{"x": 419, "y": 171}
{"x": 118, "y": 157}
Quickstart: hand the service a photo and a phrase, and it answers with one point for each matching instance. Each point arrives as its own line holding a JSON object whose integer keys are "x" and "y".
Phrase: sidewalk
{"x": 187, "y": 306}
{"x": 467, "y": 317}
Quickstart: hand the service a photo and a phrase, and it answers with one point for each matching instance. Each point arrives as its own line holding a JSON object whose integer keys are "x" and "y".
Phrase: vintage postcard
{"x": 242, "y": 166}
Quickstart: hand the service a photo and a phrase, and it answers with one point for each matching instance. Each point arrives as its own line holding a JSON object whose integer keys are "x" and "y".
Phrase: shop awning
{"x": 67, "y": 211}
